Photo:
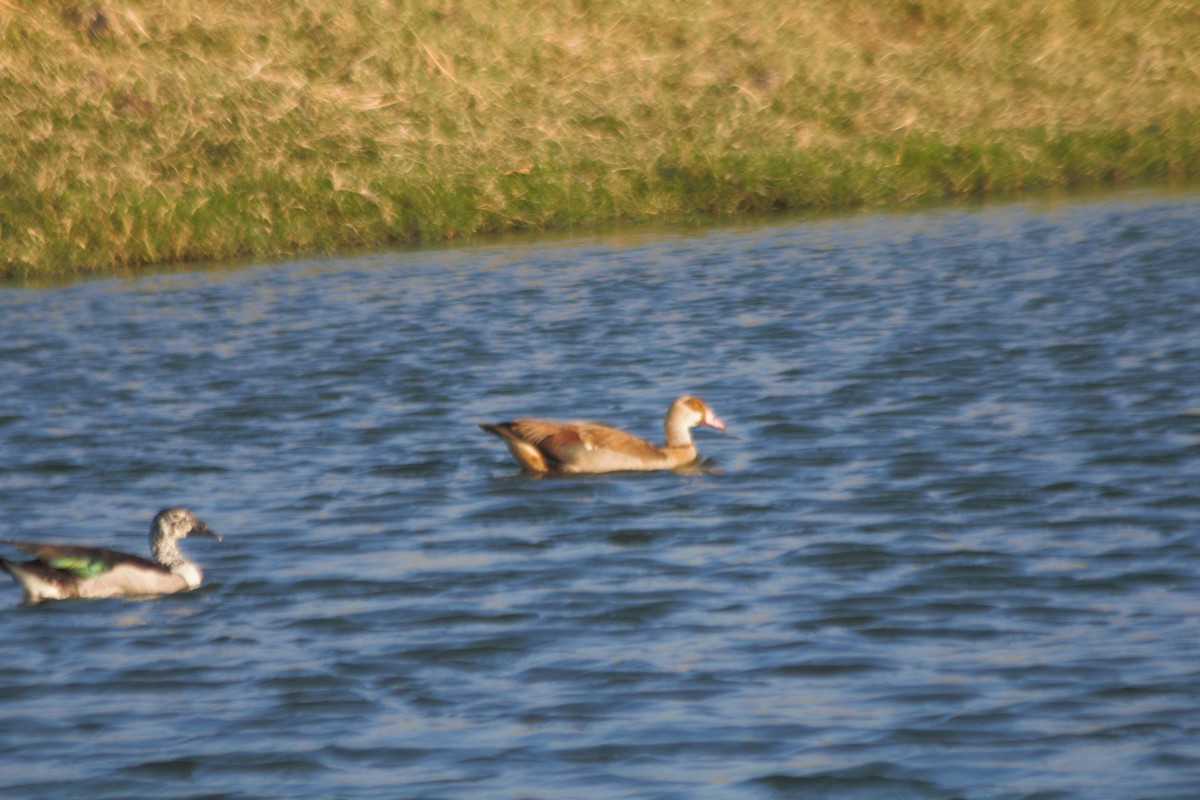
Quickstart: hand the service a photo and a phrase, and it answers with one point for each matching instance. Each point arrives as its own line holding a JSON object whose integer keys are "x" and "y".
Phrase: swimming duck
{"x": 541, "y": 446}
{"x": 63, "y": 571}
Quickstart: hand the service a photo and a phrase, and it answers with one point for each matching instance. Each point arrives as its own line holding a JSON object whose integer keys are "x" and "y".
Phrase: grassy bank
{"x": 138, "y": 132}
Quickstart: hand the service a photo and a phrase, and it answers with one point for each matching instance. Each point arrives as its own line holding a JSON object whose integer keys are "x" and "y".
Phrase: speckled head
{"x": 169, "y": 526}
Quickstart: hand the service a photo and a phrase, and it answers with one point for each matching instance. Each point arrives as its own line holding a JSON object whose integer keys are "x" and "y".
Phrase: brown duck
{"x": 541, "y": 445}
{"x": 63, "y": 571}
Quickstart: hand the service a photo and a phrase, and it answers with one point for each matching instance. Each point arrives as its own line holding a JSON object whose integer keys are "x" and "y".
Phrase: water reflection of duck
{"x": 62, "y": 571}
{"x": 542, "y": 446}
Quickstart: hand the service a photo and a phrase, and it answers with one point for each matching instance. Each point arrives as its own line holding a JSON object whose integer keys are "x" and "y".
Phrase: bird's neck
{"x": 166, "y": 552}
{"x": 678, "y": 432}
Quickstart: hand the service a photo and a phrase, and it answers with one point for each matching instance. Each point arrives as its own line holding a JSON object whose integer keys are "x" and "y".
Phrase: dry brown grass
{"x": 151, "y": 131}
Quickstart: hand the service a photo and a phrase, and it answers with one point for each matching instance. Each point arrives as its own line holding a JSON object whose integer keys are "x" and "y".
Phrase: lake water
{"x": 948, "y": 548}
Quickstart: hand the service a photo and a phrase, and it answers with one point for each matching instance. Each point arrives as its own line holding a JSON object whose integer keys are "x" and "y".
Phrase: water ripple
{"x": 947, "y": 547}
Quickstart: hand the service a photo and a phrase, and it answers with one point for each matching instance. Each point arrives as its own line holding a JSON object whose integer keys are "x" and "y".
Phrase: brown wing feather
{"x": 562, "y": 441}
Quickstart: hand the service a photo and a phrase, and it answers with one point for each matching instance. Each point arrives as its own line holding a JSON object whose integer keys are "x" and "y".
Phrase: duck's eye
{"x": 695, "y": 404}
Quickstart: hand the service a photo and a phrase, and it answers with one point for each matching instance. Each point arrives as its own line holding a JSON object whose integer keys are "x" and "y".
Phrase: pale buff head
{"x": 686, "y": 413}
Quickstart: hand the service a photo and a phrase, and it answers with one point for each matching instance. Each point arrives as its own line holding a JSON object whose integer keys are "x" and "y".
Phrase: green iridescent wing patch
{"x": 83, "y": 566}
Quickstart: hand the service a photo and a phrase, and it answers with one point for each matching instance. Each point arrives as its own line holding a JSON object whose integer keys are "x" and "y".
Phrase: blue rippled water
{"x": 949, "y": 547}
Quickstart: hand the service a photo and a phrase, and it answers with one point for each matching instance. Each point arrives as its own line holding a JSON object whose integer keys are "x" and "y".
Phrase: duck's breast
{"x": 601, "y": 448}
{"x": 129, "y": 580}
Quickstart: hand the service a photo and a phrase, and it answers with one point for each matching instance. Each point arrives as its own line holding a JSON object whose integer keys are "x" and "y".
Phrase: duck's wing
{"x": 569, "y": 442}
{"x": 82, "y": 561}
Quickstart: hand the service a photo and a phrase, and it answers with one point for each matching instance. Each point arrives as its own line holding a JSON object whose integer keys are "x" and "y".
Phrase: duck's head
{"x": 693, "y": 411}
{"x": 176, "y": 523}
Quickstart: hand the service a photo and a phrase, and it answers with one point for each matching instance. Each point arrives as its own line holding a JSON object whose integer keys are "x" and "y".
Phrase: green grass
{"x": 147, "y": 132}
